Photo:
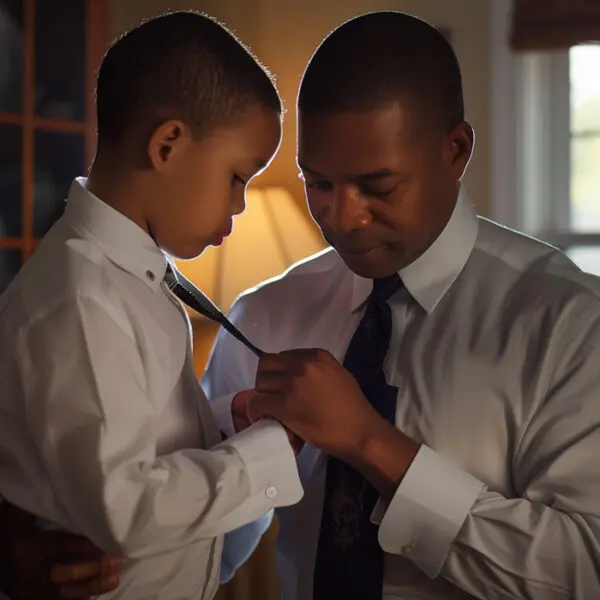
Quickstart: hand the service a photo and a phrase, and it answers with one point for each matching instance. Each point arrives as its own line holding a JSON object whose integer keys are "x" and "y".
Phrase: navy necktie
{"x": 349, "y": 563}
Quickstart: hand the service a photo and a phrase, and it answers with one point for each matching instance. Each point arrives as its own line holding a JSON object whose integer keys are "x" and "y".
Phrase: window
{"x": 558, "y": 150}
{"x": 48, "y": 55}
{"x": 546, "y": 142}
{"x": 584, "y": 197}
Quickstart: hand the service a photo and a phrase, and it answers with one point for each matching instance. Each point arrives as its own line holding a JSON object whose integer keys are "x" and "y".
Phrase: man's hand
{"x": 312, "y": 394}
{"x": 239, "y": 410}
{"x": 242, "y": 419}
{"x": 38, "y": 564}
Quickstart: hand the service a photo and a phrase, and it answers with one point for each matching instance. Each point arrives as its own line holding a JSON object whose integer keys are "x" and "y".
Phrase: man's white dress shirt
{"x": 104, "y": 430}
{"x": 496, "y": 355}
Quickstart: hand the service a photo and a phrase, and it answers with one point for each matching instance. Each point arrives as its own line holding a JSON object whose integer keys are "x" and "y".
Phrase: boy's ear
{"x": 166, "y": 143}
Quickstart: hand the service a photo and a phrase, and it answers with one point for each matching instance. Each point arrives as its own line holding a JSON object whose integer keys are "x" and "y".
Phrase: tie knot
{"x": 385, "y": 288}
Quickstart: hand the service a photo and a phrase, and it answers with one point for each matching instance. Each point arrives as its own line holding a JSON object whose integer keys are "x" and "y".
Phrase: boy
{"x": 104, "y": 430}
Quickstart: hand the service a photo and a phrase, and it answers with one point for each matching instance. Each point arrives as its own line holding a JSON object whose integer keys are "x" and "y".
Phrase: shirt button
{"x": 271, "y": 492}
{"x": 150, "y": 275}
{"x": 409, "y": 548}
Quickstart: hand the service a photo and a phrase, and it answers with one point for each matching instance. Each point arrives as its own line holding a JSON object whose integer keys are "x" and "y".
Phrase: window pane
{"x": 60, "y": 59}
{"x": 584, "y": 67}
{"x": 585, "y": 183}
{"x": 59, "y": 157}
{"x": 586, "y": 257}
{"x": 10, "y": 263}
{"x": 11, "y": 55}
{"x": 10, "y": 180}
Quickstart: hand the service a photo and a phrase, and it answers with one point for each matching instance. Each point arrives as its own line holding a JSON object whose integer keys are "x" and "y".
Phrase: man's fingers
{"x": 265, "y": 405}
{"x": 86, "y": 591}
{"x": 99, "y": 569}
{"x": 239, "y": 410}
{"x": 276, "y": 363}
{"x": 243, "y": 396}
{"x": 289, "y": 361}
{"x": 270, "y": 382}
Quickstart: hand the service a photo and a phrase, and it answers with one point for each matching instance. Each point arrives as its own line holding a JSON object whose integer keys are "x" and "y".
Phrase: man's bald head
{"x": 384, "y": 58}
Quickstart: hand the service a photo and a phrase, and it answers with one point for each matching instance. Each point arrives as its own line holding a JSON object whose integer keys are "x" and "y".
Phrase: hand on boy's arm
{"x": 46, "y": 564}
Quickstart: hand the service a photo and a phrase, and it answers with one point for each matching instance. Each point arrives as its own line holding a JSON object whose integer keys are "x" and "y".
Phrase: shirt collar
{"x": 122, "y": 241}
{"x": 429, "y": 277}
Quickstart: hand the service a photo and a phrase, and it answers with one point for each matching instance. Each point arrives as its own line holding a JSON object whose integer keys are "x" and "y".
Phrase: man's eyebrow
{"x": 371, "y": 176}
{"x": 375, "y": 175}
{"x": 309, "y": 170}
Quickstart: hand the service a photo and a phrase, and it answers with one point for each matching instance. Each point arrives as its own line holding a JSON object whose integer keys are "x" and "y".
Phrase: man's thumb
{"x": 261, "y": 406}
{"x": 241, "y": 400}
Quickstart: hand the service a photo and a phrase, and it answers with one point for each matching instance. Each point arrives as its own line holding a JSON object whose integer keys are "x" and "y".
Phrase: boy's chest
{"x": 183, "y": 416}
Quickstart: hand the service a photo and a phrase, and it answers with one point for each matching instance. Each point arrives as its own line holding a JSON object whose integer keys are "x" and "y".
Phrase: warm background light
{"x": 272, "y": 234}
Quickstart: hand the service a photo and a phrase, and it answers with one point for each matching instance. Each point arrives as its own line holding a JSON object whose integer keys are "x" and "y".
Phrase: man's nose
{"x": 350, "y": 210}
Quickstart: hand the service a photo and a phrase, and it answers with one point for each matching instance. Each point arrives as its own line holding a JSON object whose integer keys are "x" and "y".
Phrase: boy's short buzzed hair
{"x": 180, "y": 65}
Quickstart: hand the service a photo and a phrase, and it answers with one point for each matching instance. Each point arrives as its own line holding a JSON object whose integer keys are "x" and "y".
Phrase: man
{"x": 487, "y": 483}
{"x": 451, "y": 413}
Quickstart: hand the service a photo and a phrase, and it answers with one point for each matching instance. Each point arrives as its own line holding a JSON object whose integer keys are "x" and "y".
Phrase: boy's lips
{"x": 219, "y": 237}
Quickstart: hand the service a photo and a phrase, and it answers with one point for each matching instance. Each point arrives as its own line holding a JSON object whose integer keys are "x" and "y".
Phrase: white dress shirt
{"x": 496, "y": 355}
{"x": 104, "y": 430}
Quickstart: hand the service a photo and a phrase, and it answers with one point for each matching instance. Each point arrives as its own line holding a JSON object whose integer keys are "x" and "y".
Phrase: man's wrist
{"x": 383, "y": 456}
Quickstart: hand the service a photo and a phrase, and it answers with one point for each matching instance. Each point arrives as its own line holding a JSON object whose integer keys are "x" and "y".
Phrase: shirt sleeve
{"x": 543, "y": 543}
{"x": 89, "y": 415}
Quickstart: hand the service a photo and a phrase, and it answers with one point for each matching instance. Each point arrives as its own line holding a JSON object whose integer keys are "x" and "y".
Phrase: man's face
{"x": 380, "y": 184}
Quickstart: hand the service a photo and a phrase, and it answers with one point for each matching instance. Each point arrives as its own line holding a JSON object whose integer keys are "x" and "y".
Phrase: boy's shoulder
{"x": 59, "y": 272}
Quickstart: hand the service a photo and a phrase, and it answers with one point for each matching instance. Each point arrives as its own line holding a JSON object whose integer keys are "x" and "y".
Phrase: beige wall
{"x": 284, "y": 33}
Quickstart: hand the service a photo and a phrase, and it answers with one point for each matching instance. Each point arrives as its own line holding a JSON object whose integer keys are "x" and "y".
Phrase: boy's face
{"x": 380, "y": 186}
{"x": 201, "y": 185}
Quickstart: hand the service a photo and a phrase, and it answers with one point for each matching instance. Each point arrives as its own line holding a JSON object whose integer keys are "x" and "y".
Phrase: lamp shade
{"x": 272, "y": 234}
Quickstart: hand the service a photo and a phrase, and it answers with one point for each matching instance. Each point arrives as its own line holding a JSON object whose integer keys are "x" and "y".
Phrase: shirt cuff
{"x": 221, "y": 408}
{"x": 270, "y": 462}
{"x": 428, "y": 511}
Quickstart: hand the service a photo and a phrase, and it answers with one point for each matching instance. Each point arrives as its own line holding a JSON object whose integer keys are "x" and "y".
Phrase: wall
{"x": 284, "y": 33}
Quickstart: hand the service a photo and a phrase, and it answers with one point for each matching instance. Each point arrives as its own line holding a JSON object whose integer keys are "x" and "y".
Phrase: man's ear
{"x": 461, "y": 142}
{"x": 165, "y": 144}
